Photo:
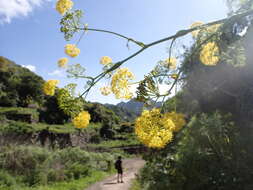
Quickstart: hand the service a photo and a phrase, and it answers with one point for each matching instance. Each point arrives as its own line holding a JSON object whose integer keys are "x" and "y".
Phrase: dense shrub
{"x": 25, "y": 161}
{"x": 126, "y": 127}
{"x": 17, "y": 127}
{"x": 208, "y": 154}
{"x": 99, "y": 113}
{"x": 51, "y": 113}
{"x": 38, "y": 165}
{"x": 6, "y": 180}
{"x": 75, "y": 171}
{"x": 16, "y": 113}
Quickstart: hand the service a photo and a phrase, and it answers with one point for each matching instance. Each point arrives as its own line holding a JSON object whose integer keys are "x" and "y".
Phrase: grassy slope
{"x": 79, "y": 184}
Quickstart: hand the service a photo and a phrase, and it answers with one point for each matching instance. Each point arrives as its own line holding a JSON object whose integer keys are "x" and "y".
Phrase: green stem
{"x": 144, "y": 47}
{"x": 114, "y": 33}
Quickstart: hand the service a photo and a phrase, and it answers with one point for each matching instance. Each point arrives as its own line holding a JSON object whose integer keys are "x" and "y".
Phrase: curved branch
{"x": 114, "y": 33}
{"x": 173, "y": 37}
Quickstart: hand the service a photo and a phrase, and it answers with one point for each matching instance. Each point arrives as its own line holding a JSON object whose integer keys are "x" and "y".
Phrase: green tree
{"x": 51, "y": 113}
{"x": 19, "y": 86}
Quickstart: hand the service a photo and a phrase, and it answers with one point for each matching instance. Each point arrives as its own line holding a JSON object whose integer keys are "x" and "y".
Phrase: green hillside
{"x": 18, "y": 86}
{"x": 37, "y": 137}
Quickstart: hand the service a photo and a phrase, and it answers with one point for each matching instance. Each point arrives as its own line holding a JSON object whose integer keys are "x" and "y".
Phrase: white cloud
{"x": 30, "y": 67}
{"x": 57, "y": 73}
{"x": 10, "y": 9}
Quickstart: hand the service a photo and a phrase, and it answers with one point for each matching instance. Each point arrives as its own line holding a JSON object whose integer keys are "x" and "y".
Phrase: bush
{"x": 39, "y": 166}
{"x": 52, "y": 175}
{"x": 70, "y": 155}
{"x": 208, "y": 154}
{"x": 126, "y": 127}
{"x": 6, "y": 180}
{"x": 13, "y": 113}
{"x": 25, "y": 161}
{"x": 51, "y": 113}
{"x": 17, "y": 127}
{"x": 3, "y": 118}
{"x": 77, "y": 170}
{"x": 95, "y": 139}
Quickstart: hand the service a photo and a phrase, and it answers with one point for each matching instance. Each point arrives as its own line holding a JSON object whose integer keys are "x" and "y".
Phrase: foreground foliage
{"x": 33, "y": 166}
{"x": 210, "y": 154}
{"x": 77, "y": 184}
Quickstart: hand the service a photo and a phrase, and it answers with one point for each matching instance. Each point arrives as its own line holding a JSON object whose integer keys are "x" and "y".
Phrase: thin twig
{"x": 114, "y": 33}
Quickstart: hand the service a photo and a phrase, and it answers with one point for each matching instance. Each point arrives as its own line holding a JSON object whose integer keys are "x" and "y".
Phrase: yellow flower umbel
{"x": 195, "y": 32}
{"x": 62, "y": 6}
{"x": 209, "y": 54}
{"x": 63, "y": 62}
{"x": 81, "y": 120}
{"x": 105, "y": 90}
{"x": 72, "y": 50}
{"x": 178, "y": 120}
{"x": 154, "y": 129}
{"x": 105, "y": 60}
{"x": 171, "y": 63}
{"x": 208, "y": 29}
{"x": 174, "y": 76}
{"x": 49, "y": 87}
{"x": 213, "y": 28}
{"x": 120, "y": 83}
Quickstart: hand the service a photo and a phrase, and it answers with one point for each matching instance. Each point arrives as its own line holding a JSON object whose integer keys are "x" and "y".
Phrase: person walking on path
{"x": 130, "y": 166}
{"x": 118, "y": 167}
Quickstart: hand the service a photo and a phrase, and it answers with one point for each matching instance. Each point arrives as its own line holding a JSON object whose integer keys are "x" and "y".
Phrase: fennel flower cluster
{"x": 196, "y": 32}
{"x": 171, "y": 63}
{"x": 213, "y": 28}
{"x": 209, "y": 54}
{"x": 63, "y": 62}
{"x": 105, "y": 90}
{"x": 210, "y": 29}
{"x": 120, "y": 83}
{"x": 105, "y": 60}
{"x": 49, "y": 87}
{"x": 62, "y": 6}
{"x": 174, "y": 76}
{"x": 72, "y": 50}
{"x": 178, "y": 120}
{"x": 81, "y": 120}
{"x": 153, "y": 129}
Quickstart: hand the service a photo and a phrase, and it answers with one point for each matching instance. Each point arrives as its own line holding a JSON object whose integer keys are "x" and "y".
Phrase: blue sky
{"x": 29, "y": 33}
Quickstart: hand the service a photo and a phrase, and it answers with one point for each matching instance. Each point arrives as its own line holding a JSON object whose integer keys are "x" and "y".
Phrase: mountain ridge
{"x": 136, "y": 106}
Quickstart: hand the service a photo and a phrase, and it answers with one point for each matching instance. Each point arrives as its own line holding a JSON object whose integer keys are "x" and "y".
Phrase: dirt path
{"x": 130, "y": 166}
